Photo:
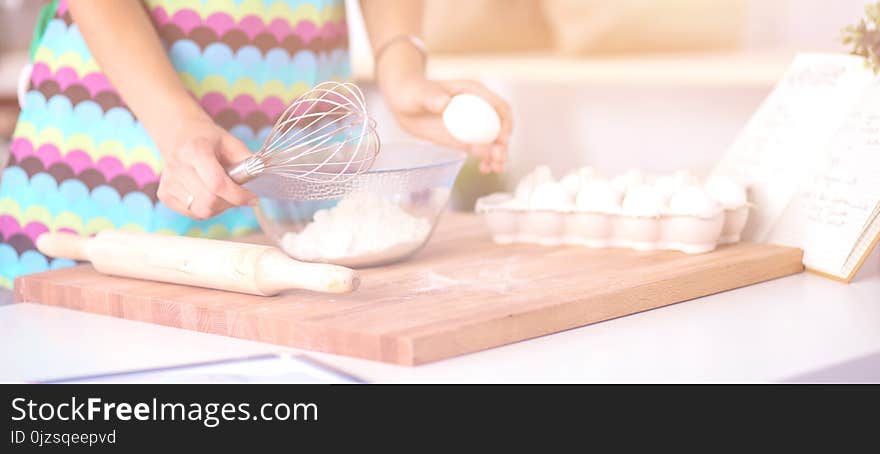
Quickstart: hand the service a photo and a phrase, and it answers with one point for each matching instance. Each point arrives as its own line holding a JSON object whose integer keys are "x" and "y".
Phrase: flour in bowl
{"x": 361, "y": 228}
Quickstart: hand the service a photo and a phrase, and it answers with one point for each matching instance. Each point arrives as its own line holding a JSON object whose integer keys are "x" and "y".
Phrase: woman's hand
{"x": 194, "y": 181}
{"x": 417, "y": 102}
{"x": 418, "y": 105}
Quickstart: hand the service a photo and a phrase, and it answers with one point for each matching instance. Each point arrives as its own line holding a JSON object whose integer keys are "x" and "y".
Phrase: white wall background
{"x": 800, "y": 24}
{"x": 787, "y": 24}
{"x": 655, "y": 127}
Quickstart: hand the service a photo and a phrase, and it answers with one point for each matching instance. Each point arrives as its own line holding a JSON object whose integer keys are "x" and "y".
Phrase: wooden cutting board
{"x": 461, "y": 294}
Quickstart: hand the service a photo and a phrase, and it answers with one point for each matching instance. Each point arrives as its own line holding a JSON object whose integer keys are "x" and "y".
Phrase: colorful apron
{"x": 81, "y": 162}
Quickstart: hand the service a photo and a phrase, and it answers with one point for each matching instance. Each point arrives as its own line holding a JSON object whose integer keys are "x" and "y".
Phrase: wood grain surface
{"x": 461, "y": 294}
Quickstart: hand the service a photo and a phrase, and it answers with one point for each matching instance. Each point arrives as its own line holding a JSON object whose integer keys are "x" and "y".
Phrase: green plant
{"x": 864, "y": 37}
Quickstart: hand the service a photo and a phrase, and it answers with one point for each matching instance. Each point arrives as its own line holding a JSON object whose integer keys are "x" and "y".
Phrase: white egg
{"x": 629, "y": 179}
{"x": 470, "y": 119}
{"x": 727, "y": 192}
{"x": 572, "y": 183}
{"x": 692, "y": 201}
{"x": 527, "y": 184}
{"x": 643, "y": 200}
{"x": 598, "y": 195}
{"x": 685, "y": 177}
{"x": 524, "y": 189}
{"x": 550, "y": 195}
{"x": 542, "y": 174}
{"x": 577, "y": 178}
{"x": 587, "y": 173}
{"x": 666, "y": 185}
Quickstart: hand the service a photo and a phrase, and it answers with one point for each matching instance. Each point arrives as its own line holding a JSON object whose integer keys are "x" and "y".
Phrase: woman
{"x": 134, "y": 108}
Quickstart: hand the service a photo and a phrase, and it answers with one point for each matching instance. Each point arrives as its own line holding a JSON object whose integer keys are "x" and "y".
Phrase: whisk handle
{"x": 240, "y": 173}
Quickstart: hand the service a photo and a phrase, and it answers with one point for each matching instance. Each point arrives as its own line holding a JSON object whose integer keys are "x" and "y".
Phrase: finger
{"x": 435, "y": 98}
{"x": 430, "y": 127}
{"x": 506, "y": 115}
{"x": 177, "y": 205}
{"x": 217, "y": 182}
{"x": 176, "y": 195}
{"x": 167, "y": 193}
{"x": 483, "y": 152}
{"x": 497, "y": 157}
{"x": 233, "y": 151}
{"x": 485, "y": 166}
{"x": 503, "y": 164}
{"x": 205, "y": 203}
{"x": 422, "y": 97}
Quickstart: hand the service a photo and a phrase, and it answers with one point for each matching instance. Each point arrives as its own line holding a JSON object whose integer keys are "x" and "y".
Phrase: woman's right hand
{"x": 194, "y": 180}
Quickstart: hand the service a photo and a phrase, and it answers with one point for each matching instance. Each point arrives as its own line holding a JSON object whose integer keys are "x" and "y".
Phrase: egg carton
{"x": 690, "y": 234}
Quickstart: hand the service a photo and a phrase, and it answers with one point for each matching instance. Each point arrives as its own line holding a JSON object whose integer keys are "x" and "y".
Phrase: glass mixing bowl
{"x": 379, "y": 217}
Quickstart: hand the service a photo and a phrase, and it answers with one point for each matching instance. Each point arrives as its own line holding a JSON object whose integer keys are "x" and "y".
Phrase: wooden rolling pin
{"x": 224, "y": 265}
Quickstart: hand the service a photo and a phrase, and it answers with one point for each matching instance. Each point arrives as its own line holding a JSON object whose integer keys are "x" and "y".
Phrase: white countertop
{"x": 762, "y": 333}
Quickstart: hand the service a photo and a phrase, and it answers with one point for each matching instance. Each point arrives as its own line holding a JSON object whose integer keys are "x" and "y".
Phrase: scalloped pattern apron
{"x": 81, "y": 162}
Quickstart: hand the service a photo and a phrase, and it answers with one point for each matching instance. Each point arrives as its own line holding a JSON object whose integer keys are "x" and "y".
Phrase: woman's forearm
{"x": 385, "y": 20}
{"x": 125, "y": 44}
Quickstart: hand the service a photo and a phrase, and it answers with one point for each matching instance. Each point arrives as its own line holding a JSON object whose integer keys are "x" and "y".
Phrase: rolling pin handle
{"x": 278, "y": 272}
{"x": 63, "y": 245}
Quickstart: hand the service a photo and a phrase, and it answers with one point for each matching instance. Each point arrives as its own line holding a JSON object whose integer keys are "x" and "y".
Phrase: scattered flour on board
{"x": 498, "y": 280}
{"x": 432, "y": 281}
{"x": 362, "y": 225}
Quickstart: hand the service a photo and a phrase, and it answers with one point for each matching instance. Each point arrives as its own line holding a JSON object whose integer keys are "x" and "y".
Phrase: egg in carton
{"x": 591, "y": 222}
{"x": 733, "y": 198}
{"x": 638, "y": 224}
{"x": 676, "y": 213}
{"x": 692, "y": 222}
{"x": 502, "y": 213}
{"x": 544, "y": 221}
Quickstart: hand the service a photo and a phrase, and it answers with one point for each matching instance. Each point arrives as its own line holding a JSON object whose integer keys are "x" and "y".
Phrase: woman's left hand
{"x": 418, "y": 105}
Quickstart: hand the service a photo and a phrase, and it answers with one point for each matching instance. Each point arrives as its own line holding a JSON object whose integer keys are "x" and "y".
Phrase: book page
{"x": 779, "y": 147}
{"x": 842, "y": 197}
{"x": 867, "y": 240}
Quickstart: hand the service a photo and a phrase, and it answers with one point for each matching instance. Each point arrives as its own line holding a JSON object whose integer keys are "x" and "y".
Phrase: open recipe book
{"x": 811, "y": 157}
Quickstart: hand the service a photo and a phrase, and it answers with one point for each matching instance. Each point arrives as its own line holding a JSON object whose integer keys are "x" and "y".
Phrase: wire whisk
{"x": 324, "y": 136}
